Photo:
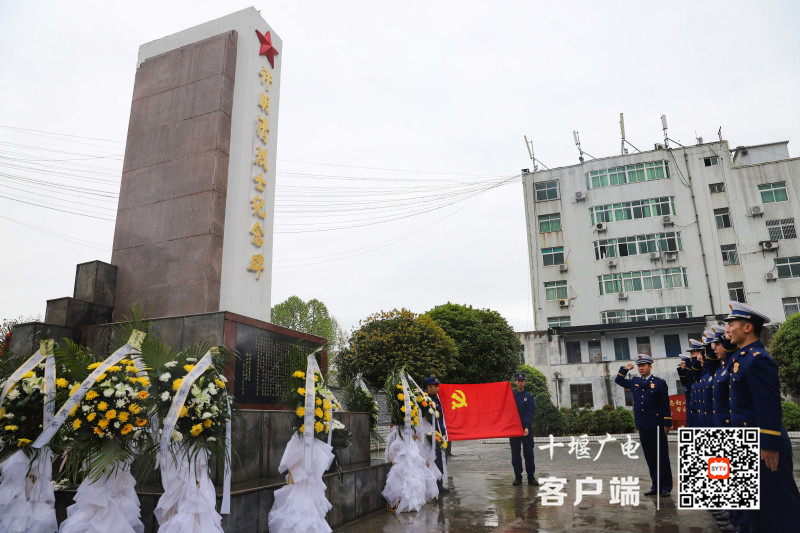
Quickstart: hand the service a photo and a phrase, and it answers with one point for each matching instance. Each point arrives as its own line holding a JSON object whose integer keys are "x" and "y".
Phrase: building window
{"x": 549, "y": 223}
{"x": 781, "y": 229}
{"x": 654, "y": 170}
{"x": 648, "y": 313}
{"x": 628, "y": 398}
{"x": 716, "y": 187}
{"x": 638, "y": 244}
{"x": 555, "y": 290}
{"x": 672, "y": 345}
{"x": 573, "y": 351}
{"x": 522, "y": 354}
{"x": 581, "y": 395}
{"x": 643, "y": 280}
{"x": 788, "y": 267}
{"x": 723, "y": 217}
{"x": 553, "y": 256}
{"x": 652, "y": 207}
{"x": 558, "y": 322}
{"x": 622, "y": 350}
{"x": 710, "y": 161}
{"x": 643, "y": 345}
{"x": 791, "y": 306}
{"x": 736, "y": 291}
{"x": 595, "y": 352}
{"x": 546, "y": 190}
{"x": 773, "y": 192}
{"x": 729, "y": 255}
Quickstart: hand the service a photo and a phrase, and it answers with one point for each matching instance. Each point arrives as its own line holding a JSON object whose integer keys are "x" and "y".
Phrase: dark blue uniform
{"x": 686, "y": 383}
{"x": 439, "y": 426}
{"x": 651, "y": 412}
{"x": 755, "y": 402}
{"x": 721, "y": 412}
{"x": 527, "y": 408}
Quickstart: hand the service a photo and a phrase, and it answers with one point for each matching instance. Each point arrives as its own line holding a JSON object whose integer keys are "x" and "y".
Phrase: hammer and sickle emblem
{"x": 459, "y": 399}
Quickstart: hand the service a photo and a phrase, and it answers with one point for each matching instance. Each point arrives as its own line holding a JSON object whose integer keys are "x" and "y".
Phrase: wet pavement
{"x": 482, "y": 498}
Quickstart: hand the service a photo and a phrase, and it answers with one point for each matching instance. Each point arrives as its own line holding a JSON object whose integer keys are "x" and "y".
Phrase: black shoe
{"x": 665, "y": 493}
{"x": 517, "y": 482}
{"x": 532, "y": 481}
{"x": 651, "y": 492}
{"x": 444, "y": 490}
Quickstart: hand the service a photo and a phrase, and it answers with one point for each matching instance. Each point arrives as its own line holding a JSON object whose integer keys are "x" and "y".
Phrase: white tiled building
{"x": 639, "y": 252}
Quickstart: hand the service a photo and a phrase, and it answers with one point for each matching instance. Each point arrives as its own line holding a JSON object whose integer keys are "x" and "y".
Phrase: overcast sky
{"x": 441, "y": 93}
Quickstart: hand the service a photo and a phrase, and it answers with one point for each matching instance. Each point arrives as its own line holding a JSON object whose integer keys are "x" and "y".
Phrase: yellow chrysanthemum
{"x": 73, "y": 389}
{"x": 98, "y": 431}
{"x": 399, "y": 386}
{"x": 326, "y": 404}
{"x": 132, "y": 369}
{"x": 196, "y": 430}
{"x": 207, "y": 423}
{"x": 111, "y": 414}
{"x": 403, "y": 408}
{"x": 114, "y": 368}
{"x": 401, "y": 396}
{"x": 101, "y": 377}
{"x": 419, "y": 399}
{"x": 76, "y": 423}
{"x": 318, "y": 401}
{"x": 327, "y": 416}
{"x": 11, "y": 428}
{"x": 299, "y": 374}
{"x": 301, "y": 411}
{"x": 27, "y": 375}
{"x": 184, "y": 412}
{"x": 91, "y": 416}
{"x": 444, "y": 445}
{"x": 91, "y": 395}
{"x": 143, "y": 394}
{"x": 93, "y": 366}
{"x": 73, "y": 410}
{"x": 127, "y": 428}
{"x": 318, "y": 412}
{"x": 102, "y": 406}
{"x": 103, "y": 423}
{"x": 219, "y": 383}
{"x": 61, "y": 383}
{"x": 316, "y": 377}
{"x": 301, "y": 391}
{"x": 123, "y": 416}
{"x": 144, "y": 382}
{"x": 177, "y": 384}
{"x": 188, "y": 368}
{"x": 134, "y": 408}
{"x": 141, "y": 421}
{"x": 21, "y": 443}
{"x": 318, "y": 427}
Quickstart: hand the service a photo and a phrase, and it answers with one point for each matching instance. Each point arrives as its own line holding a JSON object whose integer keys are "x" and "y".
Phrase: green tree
{"x": 548, "y": 419}
{"x": 385, "y": 341}
{"x": 785, "y": 350}
{"x": 791, "y": 416}
{"x": 488, "y": 349}
{"x": 535, "y": 381}
{"x": 309, "y": 317}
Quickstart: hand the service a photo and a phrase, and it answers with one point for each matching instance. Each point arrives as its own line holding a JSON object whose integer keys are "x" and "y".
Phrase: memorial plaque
{"x": 261, "y": 365}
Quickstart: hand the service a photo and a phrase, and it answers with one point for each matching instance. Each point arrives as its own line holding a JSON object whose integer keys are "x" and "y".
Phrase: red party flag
{"x": 480, "y": 411}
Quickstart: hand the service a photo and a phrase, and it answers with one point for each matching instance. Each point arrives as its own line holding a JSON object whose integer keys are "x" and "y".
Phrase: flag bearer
{"x": 527, "y": 409}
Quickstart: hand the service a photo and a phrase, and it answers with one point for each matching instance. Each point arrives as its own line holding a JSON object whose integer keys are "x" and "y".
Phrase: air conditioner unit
{"x": 771, "y": 276}
{"x": 623, "y": 295}
{"x": 769, "y": 245}
{"x": 564, "y": 302}
{"x": 600, "y": 227}
{"x": 659, "y": 146}
{"x": 655, "y": 256}
{"x": 671, "y": 256}
{"x": 562, "y": 268}
{"x": 612, "y": 263}
{"x": 756, "y": 210}
{"x": 580, "y": 196}
{"x": 667, "y": 220}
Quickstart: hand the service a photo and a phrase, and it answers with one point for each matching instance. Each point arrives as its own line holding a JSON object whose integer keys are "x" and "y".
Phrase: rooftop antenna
{"x": 529, "y": 146}
{"x": 719, "y": 133}
{"x": 577, "y": 137}
{"x": 664, "y": 127}
{"x": 622, "y": 131}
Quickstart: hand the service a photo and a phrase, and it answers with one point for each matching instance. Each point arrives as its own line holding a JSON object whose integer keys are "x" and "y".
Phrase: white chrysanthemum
{"x": 170, "y": 364}
{"x": 108, "y": 393}
{"x": 116, "y": 425}
{"x": 14, "y": 394}
{"x": 191, "y": 359}
{"x": 120, "y": 404}
{"x": 211, "y": 439}
{"x": 212, "y": 389}
{"x": 86, "y": 408}
{"x": 176, "y": 436}
{"x": 8, "y": 415}
{"x": 164, "y": 396}
{"x": 206, "y": 415}
{"x": 223, "y": 378}
{"x": 165, "y": 376}
{"x": 121, "y": 393}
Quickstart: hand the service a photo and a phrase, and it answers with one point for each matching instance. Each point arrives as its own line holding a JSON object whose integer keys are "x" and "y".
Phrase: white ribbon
{"x": 226, "y": 484}
{"x": 433, "y": 422}
{"x": 407, "y": 404}
{"x": 308, "y": 417}
{"x": 27, "y": 366}
{"x": 49, "y": 384}
{"x": 75, "y": 398}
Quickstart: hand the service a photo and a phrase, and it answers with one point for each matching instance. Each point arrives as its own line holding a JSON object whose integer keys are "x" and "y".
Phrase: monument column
{"x": 195, "y": 219}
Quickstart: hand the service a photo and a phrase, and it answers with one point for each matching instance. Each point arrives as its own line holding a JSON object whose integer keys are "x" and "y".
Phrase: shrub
{"x": 791, "y": 416}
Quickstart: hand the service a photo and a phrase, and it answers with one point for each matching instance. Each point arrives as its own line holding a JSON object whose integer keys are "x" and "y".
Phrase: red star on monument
{"x": 266, "y": 47}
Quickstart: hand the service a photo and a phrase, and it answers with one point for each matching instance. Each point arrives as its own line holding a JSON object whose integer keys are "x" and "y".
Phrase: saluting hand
{"x": 629, "y": 366}
{"x": 683, "y": 364}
